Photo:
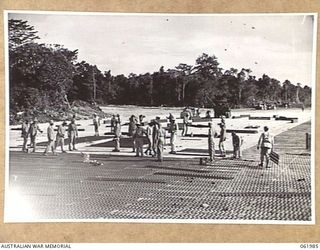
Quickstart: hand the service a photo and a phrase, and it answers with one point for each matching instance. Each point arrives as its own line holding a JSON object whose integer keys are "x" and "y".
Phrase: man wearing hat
{"x": 237, "y": 142}
{"x": 113, "y": 123}
{"x": 33, "y": 131}
{"x": 149, "y": 137}
{"x": 96, "y": 124}
{"x": 223, "y": 132}
{"x": 265, "y": 144}
{"x": 132, "y": 130}
{"x": 72, "y": 134}
{"x": 138, "y": 138}
{"x": 50, "y": 135}
{"x": 211, "y": 135}
{"x": 24, "y": 134}
{"x": 173, "y": 128}
{"x": 60, "y": 136}
{"x": 160, "y": 137}
{"x": 185, "y": 120}
{"x": 154, "y": 135}
{"x": 141, "y": 118}
{"x": 170, "y": 117}
{"x": 117, "y": 133}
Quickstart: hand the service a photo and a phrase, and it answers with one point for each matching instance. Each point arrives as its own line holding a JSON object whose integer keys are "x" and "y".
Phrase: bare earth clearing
{"x": 126, "y": 187}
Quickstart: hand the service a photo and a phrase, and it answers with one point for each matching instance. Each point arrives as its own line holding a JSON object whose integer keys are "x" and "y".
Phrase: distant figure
{"x": 72, "y": 134}
{"x": 24, "y": 134}
{"x": 208, "y": 114}
{"x": 149, "y": 130}
{"x": 265, "y": 144}
{"x": 113, "y": 121}
{"x": 223, "y": 132}
{"x": 170, "y": 117}
{"x": 50, "y": 135}
{"x": 138, "y": 138}
{"x": 198, "y": 112}
{"x": 237, "y": 142}
{"x": 185, "y": 124}
{"x": 154, "y": 135}
{"x": 33, "y": 131}
{"x": 132, "y": 130}
{"x": 117, "y": 133}
{"x": 223, "y": 120}
{"x": 160, "y": 137}
{"x": 302, "y": 107}
{"x": 141, "y": 118}
{"x": 60, "y": 136}
{"x": 96, "y": 124}
{"x": 173, "y": 129}
{"x": 211, "y": 135}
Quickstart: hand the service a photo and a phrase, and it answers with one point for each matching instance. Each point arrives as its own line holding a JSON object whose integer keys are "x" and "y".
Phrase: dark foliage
{"x": 44, "y": 76}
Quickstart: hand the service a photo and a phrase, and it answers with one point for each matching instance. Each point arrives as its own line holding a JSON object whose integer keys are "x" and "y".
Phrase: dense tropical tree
{"x": 44, "y": 76}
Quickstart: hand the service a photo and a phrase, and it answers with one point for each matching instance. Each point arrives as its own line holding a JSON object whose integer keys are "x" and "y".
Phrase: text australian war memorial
{"x": 194, "y": 141}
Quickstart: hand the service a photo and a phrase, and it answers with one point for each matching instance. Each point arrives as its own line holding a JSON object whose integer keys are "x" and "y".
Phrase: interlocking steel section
{"x": 64, "y": 187}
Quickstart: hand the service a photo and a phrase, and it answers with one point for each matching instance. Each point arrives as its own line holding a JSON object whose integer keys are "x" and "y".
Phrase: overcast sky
{"x": 280, "y": 46}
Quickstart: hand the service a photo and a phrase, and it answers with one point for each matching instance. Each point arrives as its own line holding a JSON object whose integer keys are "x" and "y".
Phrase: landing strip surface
{"x": 126, "y": 187}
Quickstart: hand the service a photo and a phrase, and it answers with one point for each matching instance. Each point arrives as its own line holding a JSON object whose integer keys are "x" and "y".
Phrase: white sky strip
{"x": 280, "y": 46}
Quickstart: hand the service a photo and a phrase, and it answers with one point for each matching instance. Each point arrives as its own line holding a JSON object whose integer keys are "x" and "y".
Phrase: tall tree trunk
{"x": 297, "y": 95}
{"x": 183, "y": 90}
{"x": 151, "y": 91}
{"x": 178, "y": 91}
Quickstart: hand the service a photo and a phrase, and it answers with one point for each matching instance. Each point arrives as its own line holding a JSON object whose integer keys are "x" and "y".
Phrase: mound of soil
{"x": 81, "y": 110}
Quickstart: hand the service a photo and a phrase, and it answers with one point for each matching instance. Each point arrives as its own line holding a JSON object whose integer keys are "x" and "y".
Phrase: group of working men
{"x": 31, "y": 130}
{"x": 237, "y": 141}
{"x": 140, "y": 130}
{"x": 155, "y": 136}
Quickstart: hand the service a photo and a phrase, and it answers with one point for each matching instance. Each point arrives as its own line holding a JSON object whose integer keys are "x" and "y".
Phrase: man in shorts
{"x": 265, "y": 144}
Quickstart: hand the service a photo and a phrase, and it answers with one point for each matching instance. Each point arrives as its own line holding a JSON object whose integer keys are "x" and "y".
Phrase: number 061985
{"x": 309, "y": 245}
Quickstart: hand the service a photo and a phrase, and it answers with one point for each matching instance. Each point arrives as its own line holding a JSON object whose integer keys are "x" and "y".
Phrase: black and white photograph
{"x": 160, "y": 118}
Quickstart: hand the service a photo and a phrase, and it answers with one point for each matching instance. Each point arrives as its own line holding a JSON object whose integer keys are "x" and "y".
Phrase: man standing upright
{"x": 96, "y": 124}
{"x": 223, "y": 132}
{"x": 72, "y": 134}
{"x": 60, "y": 136}
{"x": 265, "y": 144}
{"x": 117, "y": 133}
{"x": 211, "y": 136}
{"x": 33, "y": 131}
{"x": 185, "y": 123}
{"x": 160, "y": 137}
{"x": 132, "y": 130}
{"x": 154, "y": 135}
{"x": 138, "y": 138}
{"x": 113, "y": 123}
{"x": 173, "y": 128}
{"x": 50, "y": 134}
{"x": 149, "y": 137}
{"x": 24, "y": 134}
{"x": 237, "y": 142}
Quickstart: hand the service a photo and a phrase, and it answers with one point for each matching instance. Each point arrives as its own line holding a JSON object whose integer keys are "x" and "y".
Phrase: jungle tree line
{"x": 43, "y": 76}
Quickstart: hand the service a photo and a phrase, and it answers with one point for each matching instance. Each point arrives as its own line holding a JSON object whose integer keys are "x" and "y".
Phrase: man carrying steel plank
{"x": 265, "y": 144}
